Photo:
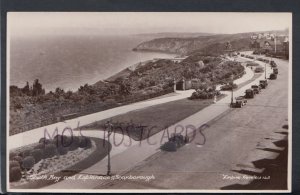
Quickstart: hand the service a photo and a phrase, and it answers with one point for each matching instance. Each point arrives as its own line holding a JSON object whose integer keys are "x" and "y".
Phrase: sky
{"x": 32, "y": 23}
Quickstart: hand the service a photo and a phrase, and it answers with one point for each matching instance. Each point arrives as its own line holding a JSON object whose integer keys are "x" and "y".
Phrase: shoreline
{"x": 93, "y": 78}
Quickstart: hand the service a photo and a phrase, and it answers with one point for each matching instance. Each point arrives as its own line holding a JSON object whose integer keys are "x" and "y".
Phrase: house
{"x": 270, "y": 42}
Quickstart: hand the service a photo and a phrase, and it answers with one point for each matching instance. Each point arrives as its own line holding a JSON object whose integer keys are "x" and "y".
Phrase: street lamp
{"x": 109, "y": 128}
{"x": 174, "y": 83}
{"x": 231, "y": 104}
{"x": 265, "y": 70}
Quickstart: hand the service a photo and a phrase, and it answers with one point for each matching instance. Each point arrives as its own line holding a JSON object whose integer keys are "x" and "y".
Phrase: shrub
{"x": 203, "y": 94}
{"x": 40, "y": 146}
{"x": 57, "y": 140}
{"x": 12, "y": 155}
{"x": 18, "y": 158}
{"x": 13, "y": 163}
{"x": 25, "y": 153}
{"x": 65, "y": 141}
{"x": 252, "y": 64}
{"x": 15, "y": 174}
{"x": 50, "y": 150}
{"x": 62, "y": 150}
{"x": 37, "y": 155}
{"x": 85, "y": 142}
{"x": 75, "y": 143}
{"x": 228, "y": 87}
{"x": 88, "y": 144}
{"x": 44, "y": 141}
{"x": 169, "y": 146}
{"x": 28, "y": 162}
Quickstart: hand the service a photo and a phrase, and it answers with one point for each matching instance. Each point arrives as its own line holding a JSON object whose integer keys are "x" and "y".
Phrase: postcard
{"x": 149, "y": 101}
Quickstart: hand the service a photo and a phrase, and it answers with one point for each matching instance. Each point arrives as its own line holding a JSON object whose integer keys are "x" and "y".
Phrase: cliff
{"x": 206, "y": 44}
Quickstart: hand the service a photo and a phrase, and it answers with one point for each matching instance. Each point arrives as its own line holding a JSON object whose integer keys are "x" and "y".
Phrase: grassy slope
{"x": 158, "y": 116}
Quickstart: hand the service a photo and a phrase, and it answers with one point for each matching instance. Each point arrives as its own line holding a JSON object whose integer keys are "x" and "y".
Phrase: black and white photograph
{"x": 149, "y": 101}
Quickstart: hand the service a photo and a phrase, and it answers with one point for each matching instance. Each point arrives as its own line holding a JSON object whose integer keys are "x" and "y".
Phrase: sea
{"x": 69, "y": 61}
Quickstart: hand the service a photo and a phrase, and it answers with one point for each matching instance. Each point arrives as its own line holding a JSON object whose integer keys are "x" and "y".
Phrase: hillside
{"x": 206, "y": 44}
{"x": 174, "y": 34}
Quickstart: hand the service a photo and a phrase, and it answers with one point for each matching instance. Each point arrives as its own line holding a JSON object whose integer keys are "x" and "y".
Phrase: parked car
{"x": 273, "y": 76}
{"x": 175, "y": 141}
{"x": 249, "y": 93}
{"x": 240, "y": 101}
{"x": 275, "y": 70}
{"x": 263, "y": 83}
{"x": 273, "y": 64}
{"x": 256, "y": 88}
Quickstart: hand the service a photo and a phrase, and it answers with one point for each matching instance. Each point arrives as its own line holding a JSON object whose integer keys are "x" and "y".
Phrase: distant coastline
{"x": 69, "y": 62}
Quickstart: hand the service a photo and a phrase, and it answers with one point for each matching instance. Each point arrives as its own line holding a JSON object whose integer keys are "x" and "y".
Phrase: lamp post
{"x": 174, "y": 82}
{"x": 109, "y": 128}
{"x": 231, "y": 104}
{"x": 265, "y": 70}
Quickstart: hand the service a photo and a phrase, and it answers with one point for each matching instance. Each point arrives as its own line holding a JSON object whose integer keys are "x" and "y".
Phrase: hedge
{"x": 37, "y": 155}
{"x": 15, "y": 174}
{"x": 50, "y": 150}
{"x": 85, "y": 142}
{"x": 62, "y": 150}
{"x": 18, "y": 158}
{"x": 75, "y": 143}
{"x": 28, "y": 162}
{"x": 14, "y": 163}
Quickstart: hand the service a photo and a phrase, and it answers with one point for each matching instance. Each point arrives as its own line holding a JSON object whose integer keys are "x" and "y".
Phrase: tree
{"x": 37, "y": 88}
{"x": 59, "y": 91}
{"x": 125, "y": 88}
{"x": 87, "y": 89}
{"x": 26, "y": 89}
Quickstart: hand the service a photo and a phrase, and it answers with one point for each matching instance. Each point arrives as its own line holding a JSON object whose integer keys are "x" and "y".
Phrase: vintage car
{"x": 273, "y": 76}
{"x": 263, "y": 83}
{"x": 256, "y": 88}
{"x": 240, "y": 101}
{"x": 249, "y": 93}
{"x": 273, "y": 64}
{"x": 175, "y": 141}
